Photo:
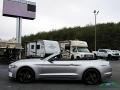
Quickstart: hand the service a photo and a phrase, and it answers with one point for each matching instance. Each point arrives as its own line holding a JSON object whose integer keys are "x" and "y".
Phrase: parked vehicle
{"x": 42, "y": 48}
{"x": 10, "y": 51}
{"x": 75, "y": 49}
{"x": 116, "y": 51}
{"x": 71, "y": 49}
{"x": 90, "y": 71}
{"x": 106, "y": 53}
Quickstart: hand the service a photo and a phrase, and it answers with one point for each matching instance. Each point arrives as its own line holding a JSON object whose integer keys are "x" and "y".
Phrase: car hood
{"x": 33, "y": 61}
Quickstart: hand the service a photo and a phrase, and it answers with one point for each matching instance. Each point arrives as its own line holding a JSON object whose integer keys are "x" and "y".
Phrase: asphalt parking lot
{"x": 6, "y": 84}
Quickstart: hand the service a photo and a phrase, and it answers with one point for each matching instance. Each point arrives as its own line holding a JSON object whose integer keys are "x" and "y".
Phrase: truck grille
{"x": 88, "y": 56}
{"x": 116, "y": 54}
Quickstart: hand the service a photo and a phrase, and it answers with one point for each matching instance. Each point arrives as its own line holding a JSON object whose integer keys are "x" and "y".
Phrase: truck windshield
{"x": 82, "y": 49}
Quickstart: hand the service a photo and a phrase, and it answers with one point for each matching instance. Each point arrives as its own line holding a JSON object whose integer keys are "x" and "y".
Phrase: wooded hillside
{"x": 108, "y": 35}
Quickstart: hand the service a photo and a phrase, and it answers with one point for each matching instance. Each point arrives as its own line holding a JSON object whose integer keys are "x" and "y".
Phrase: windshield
{"x": 109, "y": 50}
{"x": 115, "y": 50}
{"x": 82, "y": 49}
{"x": 52, "y": 56}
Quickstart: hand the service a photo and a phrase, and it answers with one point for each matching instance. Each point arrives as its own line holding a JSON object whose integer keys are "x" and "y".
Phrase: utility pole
{"x": 18, "y": 30}
{"x": 95, "y": 13}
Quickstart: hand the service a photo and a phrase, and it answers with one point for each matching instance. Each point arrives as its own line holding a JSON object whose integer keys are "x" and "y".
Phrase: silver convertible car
{"x": 54, "y": 68}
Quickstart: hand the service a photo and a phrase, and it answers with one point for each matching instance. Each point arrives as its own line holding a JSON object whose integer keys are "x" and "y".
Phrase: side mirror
{"x": 52, "y": 59}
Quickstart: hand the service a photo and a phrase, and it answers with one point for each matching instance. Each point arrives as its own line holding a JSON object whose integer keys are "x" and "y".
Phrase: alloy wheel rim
{"x": 25, "y": 76}
{"x": 92, "y": 78}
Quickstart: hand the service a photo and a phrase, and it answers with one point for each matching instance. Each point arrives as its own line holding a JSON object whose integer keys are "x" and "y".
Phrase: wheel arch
{"x": 93, "y": 68}
{"x": 25, "y": 67}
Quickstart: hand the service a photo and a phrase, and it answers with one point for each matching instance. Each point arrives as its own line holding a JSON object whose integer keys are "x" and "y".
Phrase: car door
{"x": 32, "y": 49}
{"x": 101, "y": 53}
{"x": 40, "y": 49}
{"x": 105, "y": 53}
{"x": 59, "y": 69}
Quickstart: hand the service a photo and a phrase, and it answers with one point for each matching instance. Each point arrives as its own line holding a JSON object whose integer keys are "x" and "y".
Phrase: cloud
{"x": 55, "y": 14}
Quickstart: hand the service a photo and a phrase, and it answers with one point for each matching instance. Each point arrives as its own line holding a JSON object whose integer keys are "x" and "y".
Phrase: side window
{"x": 32, "y": 46}
{"x": 74, "y": 50}
{"x": 105, "y": 51}
{"x": 100, "y": 50}
{"x": 67, "y": 46}
{"x": 38, "y": 46}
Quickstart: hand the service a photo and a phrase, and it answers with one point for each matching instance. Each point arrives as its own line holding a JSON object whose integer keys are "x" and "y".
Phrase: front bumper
{"x": 115, "y": 55}
{"x": 107, "y": 74}
{"x": 12, "y": 72}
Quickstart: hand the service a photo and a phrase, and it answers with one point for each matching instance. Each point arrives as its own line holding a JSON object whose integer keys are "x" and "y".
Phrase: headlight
{"x": 12, "y": 66}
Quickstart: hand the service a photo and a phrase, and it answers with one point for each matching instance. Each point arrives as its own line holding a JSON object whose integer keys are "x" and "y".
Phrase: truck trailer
{"x": 70, "y": 49}
{"x": 10, "y": 51}
{"x": 42, "y": 48}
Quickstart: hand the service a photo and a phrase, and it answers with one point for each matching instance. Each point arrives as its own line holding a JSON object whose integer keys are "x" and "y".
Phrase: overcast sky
{"x": 56, "y": 14}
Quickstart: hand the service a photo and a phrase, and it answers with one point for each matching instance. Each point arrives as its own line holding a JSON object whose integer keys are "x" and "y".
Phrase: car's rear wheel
{"x": 25, "y": 75}
{"x": 92, "y": 77}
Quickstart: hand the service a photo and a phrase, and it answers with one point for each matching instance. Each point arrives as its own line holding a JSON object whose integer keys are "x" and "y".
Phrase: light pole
{"x": 95, "y": 13}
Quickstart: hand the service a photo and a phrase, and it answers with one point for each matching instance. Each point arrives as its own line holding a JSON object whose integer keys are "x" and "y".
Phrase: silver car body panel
{"x": 61, "y": 69}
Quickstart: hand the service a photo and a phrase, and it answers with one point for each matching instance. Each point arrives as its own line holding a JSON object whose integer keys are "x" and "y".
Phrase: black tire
{"x": 78, "y": 58}
{"x": 25, "y": 75}
{"x": 91, "y": 77}
{"x": 109, "y": 57}
{"x": 72, "y": 57}
{"x": 95, "y": 56}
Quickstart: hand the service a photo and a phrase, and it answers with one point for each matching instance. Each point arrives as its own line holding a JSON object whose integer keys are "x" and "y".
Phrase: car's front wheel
{"x": 25, "y": 75}
{"x": 91, "y": 77}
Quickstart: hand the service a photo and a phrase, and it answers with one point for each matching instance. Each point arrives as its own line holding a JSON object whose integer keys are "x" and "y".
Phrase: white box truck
{"x": 42, "y": 48}
{"x": 75, "y": 49}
